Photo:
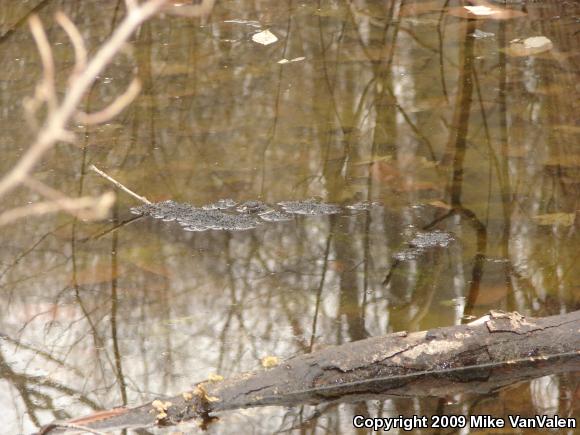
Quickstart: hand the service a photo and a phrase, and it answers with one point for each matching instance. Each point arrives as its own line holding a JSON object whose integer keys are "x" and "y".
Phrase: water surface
{"x": 395, "y": 102}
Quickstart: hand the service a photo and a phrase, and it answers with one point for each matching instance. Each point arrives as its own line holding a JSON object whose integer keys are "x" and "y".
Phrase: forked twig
{"x": 113, "y": 109}
{"x": 55, "y": 127}
{"x": 46, "y": 88}
{"x": 76, "y": 40}
{"x": 83, "y": 207}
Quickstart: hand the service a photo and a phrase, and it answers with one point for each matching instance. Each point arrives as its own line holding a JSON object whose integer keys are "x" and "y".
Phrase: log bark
{"x": 494, "y": 351}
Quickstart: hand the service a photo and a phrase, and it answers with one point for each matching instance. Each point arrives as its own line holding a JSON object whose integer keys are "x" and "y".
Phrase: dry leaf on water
{"x": 296, "y": 59}
{"x": 563, "y": 219}
{"x": 491, "y": 294}
{"x": 416, "y": 9}
{"x": 265, "y": 37}
{"x": 439, "y": 204}
{"x": 529, "y": 46}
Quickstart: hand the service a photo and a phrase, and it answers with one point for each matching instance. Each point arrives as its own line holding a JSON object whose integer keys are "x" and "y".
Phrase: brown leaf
{"x": 384, "y": 172}
{"x": 529, "y": 46}
{"x": 440, "y": 204}
{"x": 563, "y": 219}
{"x": 490, "y": 294}
{"x": 415, "y": 186}
{"x": 416, "y": 9}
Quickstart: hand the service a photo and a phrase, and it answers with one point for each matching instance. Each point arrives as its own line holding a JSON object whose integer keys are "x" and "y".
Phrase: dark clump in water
{"x": 434, "y": 239}
{"x": 222, "y": 204}
{"x": 363, "y": 205}
{"x": 422, "y": 242}
{"x": 309, "y": 207}
{"x": 221, "y": 214}
{"x": 275, "y": 216}
{"x": 197, "y": 219}
{"x": 254, "y": 207}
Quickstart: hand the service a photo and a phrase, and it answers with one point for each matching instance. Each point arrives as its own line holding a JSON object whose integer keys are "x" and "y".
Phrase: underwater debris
{"x": 422, "y": 242}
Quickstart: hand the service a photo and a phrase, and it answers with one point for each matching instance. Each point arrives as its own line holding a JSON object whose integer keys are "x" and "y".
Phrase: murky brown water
{"x": 391, "y": 101}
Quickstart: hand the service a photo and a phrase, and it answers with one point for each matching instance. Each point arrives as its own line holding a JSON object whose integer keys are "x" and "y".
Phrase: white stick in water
{"x": 119, "y": 185}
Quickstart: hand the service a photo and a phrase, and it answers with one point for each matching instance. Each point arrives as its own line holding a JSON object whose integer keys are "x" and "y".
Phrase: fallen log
{"x": 492, "y": 352}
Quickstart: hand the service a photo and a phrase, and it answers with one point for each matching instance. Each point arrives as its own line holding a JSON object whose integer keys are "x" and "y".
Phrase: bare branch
{"x": 57, "y": 120}
{"x": 131, "y": 4}
{"x": 43, "y": 189}
{"x": 77, "y": 41}
{"x": 85, "y": 207}
{"x": 119, "y": 185}
{"x": 116, "y": 107}
{"x": 46, "y": 88}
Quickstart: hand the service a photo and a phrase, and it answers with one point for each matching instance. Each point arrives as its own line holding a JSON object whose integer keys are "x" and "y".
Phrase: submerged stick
{"x": 119, "y": 185}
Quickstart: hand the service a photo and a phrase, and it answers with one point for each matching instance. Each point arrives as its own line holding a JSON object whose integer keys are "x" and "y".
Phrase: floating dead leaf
{"x": 567, "y": 128}
{"x": 384, "y": 172}
{"x": 164, "y": 69}
{"x": 419, "y": 8}
{"x": 564, "y": 160}
{"x": 428, "y": 104}
{"x": 332, "y": 11}
{"x": 529, "y": 46}
{"x": 440, "y": 204}
{"x": 516, "y": 150}
{"x": 386, "y": 158}
{"x": 491, "y": 294}
{"x": 485, "y": 12}
{"x": 480, "y": 34}
{"x": 296, "y": 59}
{"x": 558, "y": 88}
{"x": 270, "y": 361}
{"x": 414, "y": 186}
{"x": 264, "y": 37}
{"x": 561, "y": 219}
{"x": 480, "y": 10}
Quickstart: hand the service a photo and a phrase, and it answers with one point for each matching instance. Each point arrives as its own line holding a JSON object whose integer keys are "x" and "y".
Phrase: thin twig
{"x": 46, "y": 86}
{"x": 77, "y": 42}
{"x": 86, "y": 207}
{"x": 57, "y": 120}
{"x": 113, "y": 109}
{"x": 119, "y": 185}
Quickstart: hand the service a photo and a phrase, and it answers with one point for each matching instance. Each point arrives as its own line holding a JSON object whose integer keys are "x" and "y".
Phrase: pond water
{"x": 470, "y": 150}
